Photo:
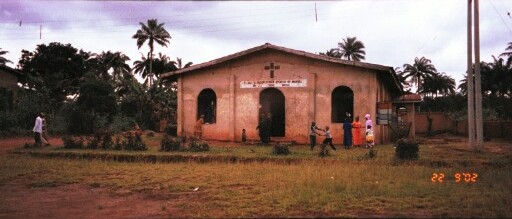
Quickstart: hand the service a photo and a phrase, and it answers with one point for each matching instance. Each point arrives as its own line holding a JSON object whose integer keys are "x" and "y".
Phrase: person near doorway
{"x": 198, "y": 128}
{"x": 263, "y": 128}
{"x": 312, "y": 135}
{"x": 328, "y": 138}
{"x": 356, "y": 132}
{"x": 347, "y": 133}
{"x": 38, "y": 129}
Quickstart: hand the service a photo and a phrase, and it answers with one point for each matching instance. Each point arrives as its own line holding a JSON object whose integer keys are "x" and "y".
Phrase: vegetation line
{"x": 164, "y": 158}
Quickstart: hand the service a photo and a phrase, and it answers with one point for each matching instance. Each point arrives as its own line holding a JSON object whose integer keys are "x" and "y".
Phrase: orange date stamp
{"x": 458, "y": 177}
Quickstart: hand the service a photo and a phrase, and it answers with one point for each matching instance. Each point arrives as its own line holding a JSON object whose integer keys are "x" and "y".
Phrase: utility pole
{"x": 478, "y": 83}
{"x": 474, "y": 82}
{"x": 469, "y": 82}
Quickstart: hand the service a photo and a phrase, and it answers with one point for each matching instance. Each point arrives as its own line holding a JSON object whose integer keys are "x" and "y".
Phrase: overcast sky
{"x": 393, "y": 31}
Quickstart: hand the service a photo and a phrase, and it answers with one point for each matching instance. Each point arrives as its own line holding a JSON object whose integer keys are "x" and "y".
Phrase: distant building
{"x": 9, "y": 79}
{"x": 293, "y": 87}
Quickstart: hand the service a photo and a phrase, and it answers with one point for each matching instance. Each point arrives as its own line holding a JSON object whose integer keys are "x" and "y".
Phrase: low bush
{"x": 196, "y": 145}
{"x": 107, "y": 142}
{"x": 134, "y": 143}
{"x": 324, "y": 151}
{"x": 71, "y": 142}
{"x": 372, "y": 153}
{"x": 170, "y": 143}
{"x": 281, "y": 149}
{"x": 407, "y": 149}
{"x": 171, "y": 129}
{"x": 118, "y": 144}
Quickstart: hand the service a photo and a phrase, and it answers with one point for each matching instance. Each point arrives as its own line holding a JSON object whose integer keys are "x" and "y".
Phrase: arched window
{"x": 207, "y": 105}
{"x": 342, "y": 103}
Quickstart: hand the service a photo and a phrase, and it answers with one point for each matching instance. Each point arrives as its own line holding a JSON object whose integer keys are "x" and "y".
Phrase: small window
{"x": 342, "y": 103}
{"x": 207, "y": 105}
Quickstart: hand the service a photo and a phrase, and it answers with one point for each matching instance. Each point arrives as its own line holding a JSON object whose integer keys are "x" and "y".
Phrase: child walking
{"x": 369, "y": 137}
{"x": 328, "y": 138}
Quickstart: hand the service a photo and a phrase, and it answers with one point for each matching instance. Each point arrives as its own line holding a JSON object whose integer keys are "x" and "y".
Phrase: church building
{"x": 293, "y": 87}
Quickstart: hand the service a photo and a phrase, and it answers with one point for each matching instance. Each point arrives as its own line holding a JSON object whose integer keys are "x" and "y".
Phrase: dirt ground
{"x": 19, "y": 200}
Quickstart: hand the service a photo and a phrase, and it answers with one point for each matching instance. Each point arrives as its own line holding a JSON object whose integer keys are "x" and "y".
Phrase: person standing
{"x": 328, "y": 138}
{"x": 347, "y": 133}
{"x": 356, "y": 132}
{"x": 263, "y": 128}
{"x": 244, "y": 136}
{"x": 38, "y": 129}
{"x": 198, "y": 128}
{"x": 369, "y": 125}
{"x": 312, "y": 135}
{"x": 44, "y": 137}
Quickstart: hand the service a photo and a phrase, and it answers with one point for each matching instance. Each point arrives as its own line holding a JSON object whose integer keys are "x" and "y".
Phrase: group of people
{"x": 40, "y": 133}
{"x": 351, "y": 134}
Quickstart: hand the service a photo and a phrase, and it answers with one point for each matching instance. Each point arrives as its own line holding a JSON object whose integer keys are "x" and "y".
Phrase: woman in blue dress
{"x": 347, "y": 133}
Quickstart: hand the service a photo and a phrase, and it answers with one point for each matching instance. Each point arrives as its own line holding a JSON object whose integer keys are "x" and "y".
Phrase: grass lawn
{"x": 341, "y": 185}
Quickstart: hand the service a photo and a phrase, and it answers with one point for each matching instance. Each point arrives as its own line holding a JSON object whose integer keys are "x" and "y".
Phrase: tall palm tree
{"x": 352, "y": 49}
{"x": 152, "y": 32}
{"x": 3, "y": 60}
{"x": 421, "y": 69}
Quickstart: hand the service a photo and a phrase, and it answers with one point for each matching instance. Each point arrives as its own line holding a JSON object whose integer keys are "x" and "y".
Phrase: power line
{"x": 502, "y": 20}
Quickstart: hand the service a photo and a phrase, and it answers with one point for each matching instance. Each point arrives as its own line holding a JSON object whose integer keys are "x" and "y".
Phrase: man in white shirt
{"x": 38, "y": 129}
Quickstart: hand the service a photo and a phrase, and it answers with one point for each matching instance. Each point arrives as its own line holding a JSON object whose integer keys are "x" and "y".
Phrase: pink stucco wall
{"x": 237, "y": 108}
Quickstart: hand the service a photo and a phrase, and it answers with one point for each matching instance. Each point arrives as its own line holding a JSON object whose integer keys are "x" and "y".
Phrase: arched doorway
{"x": 342, "y": 103}
{"x": 272, "y": 103}
{"x": 207, "y": 105}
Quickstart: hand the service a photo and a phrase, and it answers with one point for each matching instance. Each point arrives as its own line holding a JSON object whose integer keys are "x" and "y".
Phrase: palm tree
{"x": 438, "y": 83}
{"x": 402, "y": 80}
{"x": 142, "y": 67}
{"x": 352, "y": 49}
{"x": 179, "y": 64}
{"x": 152, "y": 32}
{"x": 508, "y": 53}
{"x": 3, "y": 60}
{"x": 421, "y": 69}
{"x": 334, "y": 52}
{"x": 108, "y": 63}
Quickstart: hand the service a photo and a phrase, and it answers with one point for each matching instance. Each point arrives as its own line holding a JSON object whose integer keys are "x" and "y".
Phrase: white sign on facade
{"x": 274, "y": 83}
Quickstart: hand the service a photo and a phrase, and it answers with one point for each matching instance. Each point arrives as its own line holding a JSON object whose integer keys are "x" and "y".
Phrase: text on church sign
{"x": 274, "y": 83}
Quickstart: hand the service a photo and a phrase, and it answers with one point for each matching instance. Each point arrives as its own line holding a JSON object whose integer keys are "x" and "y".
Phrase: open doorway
{"x": 272, "y": 103}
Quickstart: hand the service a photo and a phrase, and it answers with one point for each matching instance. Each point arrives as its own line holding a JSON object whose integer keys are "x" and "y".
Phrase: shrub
{"x": 281, "y": 149}
{"x": 118, "y": 144}
{"x": 107, "y": 142}
{"x": 171, "y": 130}
{"x": 198, "y": 145}
{"x": 324, "y": 152}
{"x": 134, "y": 143}
{"x": 94, "y": 142}
{"x": 71, "y": 142}
{"x": 406, "y": 149}
{"x": 169, "y": 143}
